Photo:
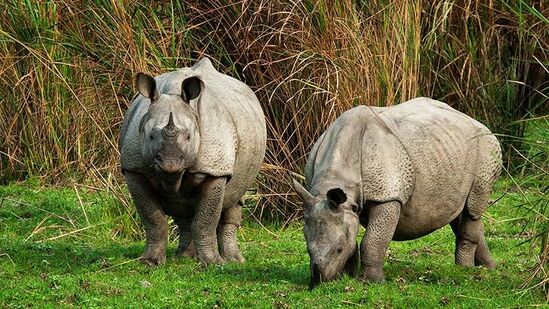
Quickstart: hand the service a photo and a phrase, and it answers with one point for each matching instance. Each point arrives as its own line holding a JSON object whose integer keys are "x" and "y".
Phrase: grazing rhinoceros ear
{"x": 203, "y": 63}
{"x": 306, "y": 197}
{"x": 191, "y": 89}
{"x": 336, "y": 197}
{"x": 146, "y": 86}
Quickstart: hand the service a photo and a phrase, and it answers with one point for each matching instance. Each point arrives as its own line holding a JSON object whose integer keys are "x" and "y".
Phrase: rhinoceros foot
{"x": 373, "y": 275}
{"x": 188, "y": 252}
{"x": 153, "y": 259}
{"x": 208, "y": 257}
{"x": 228, "y": 245}
{"x": 234, "y": 257}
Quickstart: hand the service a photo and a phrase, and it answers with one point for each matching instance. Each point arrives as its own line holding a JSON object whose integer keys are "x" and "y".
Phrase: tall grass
{"x": 67, "y": 66}
{"x": 66, "y": 71}
{"x": 533, "y": 185}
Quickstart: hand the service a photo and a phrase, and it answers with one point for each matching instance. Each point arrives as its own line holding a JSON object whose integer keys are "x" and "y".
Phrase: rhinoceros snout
{"x": 315, "y": 276}
{"x": 168, "y": 165}
{"x": 320, "y": 275}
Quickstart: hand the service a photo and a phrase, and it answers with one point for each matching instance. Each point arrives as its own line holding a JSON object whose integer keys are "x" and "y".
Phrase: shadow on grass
{"x": 81, "y": 258}
{"x": 65, "y": 257}
{"x": 296, "y": 274}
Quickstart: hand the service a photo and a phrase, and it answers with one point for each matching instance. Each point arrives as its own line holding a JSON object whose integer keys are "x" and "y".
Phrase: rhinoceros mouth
{"x": 316, "y": 277}
{"x": 168, "y": 166}
{"x": 171, "y": 183}
{"x": 320, "y": 275}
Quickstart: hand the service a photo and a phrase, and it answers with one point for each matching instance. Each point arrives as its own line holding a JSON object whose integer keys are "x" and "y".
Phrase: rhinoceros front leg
{"x": 382, "y": 222}
{"x": 153, "y": 218}
{"x": 206, "y": 219}
{"x": 186, "y": 245}
{"x": 226, "y": 234}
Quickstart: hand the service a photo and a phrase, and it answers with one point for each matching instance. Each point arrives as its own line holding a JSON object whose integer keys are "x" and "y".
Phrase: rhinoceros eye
{"x": 339, "y": 250}
{"x": 151, "y": 137}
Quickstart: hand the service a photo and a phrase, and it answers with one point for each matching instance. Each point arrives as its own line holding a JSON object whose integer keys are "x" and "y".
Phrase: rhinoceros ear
{"x": 146, "y": 85}
{"x": 306, "y": 197}
{"x": 191, "y": 89}
{"x": 203, "y": 63}
{"x": 336, "y": 197}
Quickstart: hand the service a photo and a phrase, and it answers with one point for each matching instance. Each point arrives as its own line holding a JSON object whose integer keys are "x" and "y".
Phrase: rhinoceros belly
{"x": 425, "y": 214}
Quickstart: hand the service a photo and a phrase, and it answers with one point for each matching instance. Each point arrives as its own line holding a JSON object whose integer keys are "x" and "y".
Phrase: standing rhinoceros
{"x": 191, "y": 145}
{"x": 401, "y": 172}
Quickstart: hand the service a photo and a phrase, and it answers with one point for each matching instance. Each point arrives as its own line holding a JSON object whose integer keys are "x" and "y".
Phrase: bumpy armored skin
{"x": 191, "y": 144}
{"x": 405, "y": 171}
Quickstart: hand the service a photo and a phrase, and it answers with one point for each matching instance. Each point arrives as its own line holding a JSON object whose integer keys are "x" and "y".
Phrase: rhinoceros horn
{"x": 170, "y": 131}
{"x": 306, "y": 197}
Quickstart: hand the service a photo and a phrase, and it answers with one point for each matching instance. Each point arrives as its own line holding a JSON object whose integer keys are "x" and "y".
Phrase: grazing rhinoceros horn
{"x": 306, "y": 197}
{"x": 170, "y": 131}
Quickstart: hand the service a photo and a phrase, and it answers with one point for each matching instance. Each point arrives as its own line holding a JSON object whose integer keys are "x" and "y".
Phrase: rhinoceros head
{"x": 331, "y": 227}
{"x": 169, "y": 131}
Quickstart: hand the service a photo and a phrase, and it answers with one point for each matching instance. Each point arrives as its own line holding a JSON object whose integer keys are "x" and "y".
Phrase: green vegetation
{"x": 59, "y": 248}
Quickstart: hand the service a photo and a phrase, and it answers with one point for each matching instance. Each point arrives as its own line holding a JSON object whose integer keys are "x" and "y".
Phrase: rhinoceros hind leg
{"x": 466, "y": 231}
{"x": 483, "y": 256}
{"x": 471, "y": 248}
{"x": 186, "y": 245}
{"x": 226, "y": 234}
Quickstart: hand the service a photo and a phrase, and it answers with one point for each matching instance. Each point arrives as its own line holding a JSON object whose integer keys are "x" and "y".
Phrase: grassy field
{"x": 62, "y": 246}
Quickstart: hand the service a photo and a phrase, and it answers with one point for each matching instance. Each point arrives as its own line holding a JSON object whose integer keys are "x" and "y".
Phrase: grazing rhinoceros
{"x": 401, "y": 172}
{"x": 191, "y": 145}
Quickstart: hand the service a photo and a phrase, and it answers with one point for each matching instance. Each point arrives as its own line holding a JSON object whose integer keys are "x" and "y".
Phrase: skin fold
{"x": 401, "y": 172}
{"x": 191, "y": 144}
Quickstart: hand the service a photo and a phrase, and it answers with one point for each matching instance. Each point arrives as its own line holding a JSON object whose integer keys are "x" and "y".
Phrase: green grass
{"x": 55, "y": 250}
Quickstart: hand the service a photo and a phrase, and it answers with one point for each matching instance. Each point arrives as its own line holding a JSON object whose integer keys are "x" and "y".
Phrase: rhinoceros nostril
{"x": 157, "y": 159}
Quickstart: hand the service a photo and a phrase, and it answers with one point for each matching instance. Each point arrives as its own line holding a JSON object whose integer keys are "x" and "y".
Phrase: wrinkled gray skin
{"x": 191, "y": 144}
{"x": 402, "y": 172}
